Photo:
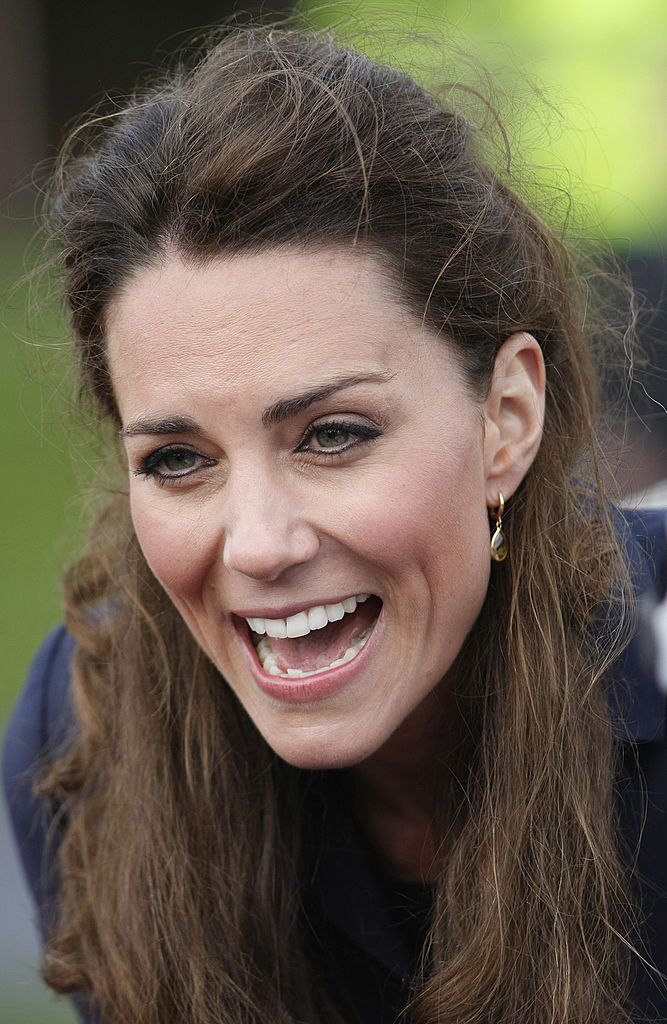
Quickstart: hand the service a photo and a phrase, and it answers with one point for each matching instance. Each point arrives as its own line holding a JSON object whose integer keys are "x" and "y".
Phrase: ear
{"x": 514, "y": 415}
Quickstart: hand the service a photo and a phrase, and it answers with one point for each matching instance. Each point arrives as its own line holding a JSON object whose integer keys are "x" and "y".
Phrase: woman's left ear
{"x": 514, "y": 415}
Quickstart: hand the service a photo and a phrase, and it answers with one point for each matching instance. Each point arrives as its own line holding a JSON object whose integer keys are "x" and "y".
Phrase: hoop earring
{"x": 499, "y": 545}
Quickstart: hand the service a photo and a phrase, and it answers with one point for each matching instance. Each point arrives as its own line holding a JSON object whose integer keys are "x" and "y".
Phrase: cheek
{"x": 174, "y": 542}
{"x": 427, "y": 527}
{"x": 429, "y": 507}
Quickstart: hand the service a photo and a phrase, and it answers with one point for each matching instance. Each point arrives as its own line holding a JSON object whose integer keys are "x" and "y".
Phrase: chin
{"x": 318, "y": 752}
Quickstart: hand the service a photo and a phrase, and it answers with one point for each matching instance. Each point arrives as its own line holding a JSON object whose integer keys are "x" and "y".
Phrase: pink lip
{"x": 301, "y": 691}
{"x": 292, "y": 609}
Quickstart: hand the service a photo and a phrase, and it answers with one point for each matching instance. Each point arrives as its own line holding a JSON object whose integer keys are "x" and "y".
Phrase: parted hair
{"x": 181, "y": 829}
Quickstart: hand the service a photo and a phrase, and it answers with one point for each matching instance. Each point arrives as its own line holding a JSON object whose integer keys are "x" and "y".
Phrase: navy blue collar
{"x": 636, "y": 703}
{"x": 343, "y": 861}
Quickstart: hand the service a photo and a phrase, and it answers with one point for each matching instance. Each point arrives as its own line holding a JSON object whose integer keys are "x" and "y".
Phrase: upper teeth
{"x": 303, "y": 622}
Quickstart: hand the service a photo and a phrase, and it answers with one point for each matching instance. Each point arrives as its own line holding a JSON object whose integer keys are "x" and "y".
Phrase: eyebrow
{"x": 288, "y": 407}
{"x": 281, "y": 410}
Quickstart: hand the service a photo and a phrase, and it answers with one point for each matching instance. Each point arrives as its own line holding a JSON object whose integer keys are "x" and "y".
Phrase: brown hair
{"x": 179, "y": 895}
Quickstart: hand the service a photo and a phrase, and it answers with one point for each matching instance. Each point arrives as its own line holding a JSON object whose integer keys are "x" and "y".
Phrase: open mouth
{"x": 321, "y": 649}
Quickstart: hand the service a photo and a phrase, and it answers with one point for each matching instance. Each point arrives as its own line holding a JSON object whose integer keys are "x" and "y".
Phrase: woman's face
{"x": 296, "y": 439}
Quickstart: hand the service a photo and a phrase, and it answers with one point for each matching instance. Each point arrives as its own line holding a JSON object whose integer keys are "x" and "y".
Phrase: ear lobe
{"x": 514, "y": 414}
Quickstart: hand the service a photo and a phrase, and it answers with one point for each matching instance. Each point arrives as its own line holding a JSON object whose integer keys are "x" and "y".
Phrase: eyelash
{"x": 149, "y": 464}
{"x": 359, "y": 430}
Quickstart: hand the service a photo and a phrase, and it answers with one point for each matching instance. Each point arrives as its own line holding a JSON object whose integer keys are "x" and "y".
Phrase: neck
{"x": 396, "y": 793}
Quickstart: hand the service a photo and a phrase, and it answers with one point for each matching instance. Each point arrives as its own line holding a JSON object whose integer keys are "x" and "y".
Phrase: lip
{"x": 312, "y": 688}
{"x": 291, "y": 609}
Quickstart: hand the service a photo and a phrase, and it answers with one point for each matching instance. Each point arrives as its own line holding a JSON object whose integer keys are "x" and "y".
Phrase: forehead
{"x": 245, "y": 324}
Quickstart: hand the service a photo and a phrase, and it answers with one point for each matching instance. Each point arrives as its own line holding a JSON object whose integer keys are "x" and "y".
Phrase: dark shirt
{"x": 368, "y": 928}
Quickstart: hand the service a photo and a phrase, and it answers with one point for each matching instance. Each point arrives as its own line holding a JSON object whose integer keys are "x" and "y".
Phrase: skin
{"x": 256, "y": 523}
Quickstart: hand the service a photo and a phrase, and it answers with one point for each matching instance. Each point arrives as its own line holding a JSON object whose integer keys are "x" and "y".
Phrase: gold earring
{"x": 499, "y": 545}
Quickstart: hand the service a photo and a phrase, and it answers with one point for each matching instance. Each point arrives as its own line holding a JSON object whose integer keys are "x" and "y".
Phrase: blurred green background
{"x": 582, "y": 89}
{"x": 38, "y": 529}
{"x": 586, "y": 91}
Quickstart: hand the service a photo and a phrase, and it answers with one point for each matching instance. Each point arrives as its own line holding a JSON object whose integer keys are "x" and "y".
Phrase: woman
{"x": 329, "y": 734}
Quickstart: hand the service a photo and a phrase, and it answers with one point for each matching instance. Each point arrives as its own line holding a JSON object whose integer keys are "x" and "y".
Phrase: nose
{"x": 266, "y": 532}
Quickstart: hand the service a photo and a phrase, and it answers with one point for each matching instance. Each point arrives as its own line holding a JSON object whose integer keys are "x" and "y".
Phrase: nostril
{"x": 262, "y": 559}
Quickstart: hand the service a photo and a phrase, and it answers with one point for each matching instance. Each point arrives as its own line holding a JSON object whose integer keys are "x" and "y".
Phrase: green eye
{"x": 337, "y": 438}
{"x": 172, "y": 464}
{"x": 331, "y": 437}
{"x": 178, "y": 461}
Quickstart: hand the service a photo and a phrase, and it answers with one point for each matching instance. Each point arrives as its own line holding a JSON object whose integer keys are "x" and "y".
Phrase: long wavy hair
{"x": 179, "y": 888}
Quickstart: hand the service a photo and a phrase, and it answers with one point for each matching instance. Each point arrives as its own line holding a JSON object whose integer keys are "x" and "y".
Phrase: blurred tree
{"x": 22, "y": 116}
{"x": 59, "y": 59}
{"x": 93, "y": 49}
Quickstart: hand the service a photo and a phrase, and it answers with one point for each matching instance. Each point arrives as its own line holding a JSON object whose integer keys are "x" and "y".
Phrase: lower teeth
{"x": 270, "y": 664}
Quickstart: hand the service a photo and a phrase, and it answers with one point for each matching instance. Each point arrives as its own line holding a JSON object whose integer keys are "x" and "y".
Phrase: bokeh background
{"x": 582, "y": 89}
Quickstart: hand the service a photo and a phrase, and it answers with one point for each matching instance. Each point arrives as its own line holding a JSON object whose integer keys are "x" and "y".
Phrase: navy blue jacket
{"x": 370, "y": 928}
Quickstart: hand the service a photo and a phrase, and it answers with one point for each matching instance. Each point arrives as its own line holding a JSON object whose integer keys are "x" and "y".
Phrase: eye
{"x": 330, "y": 438}
{"x": 172, "y": 463}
